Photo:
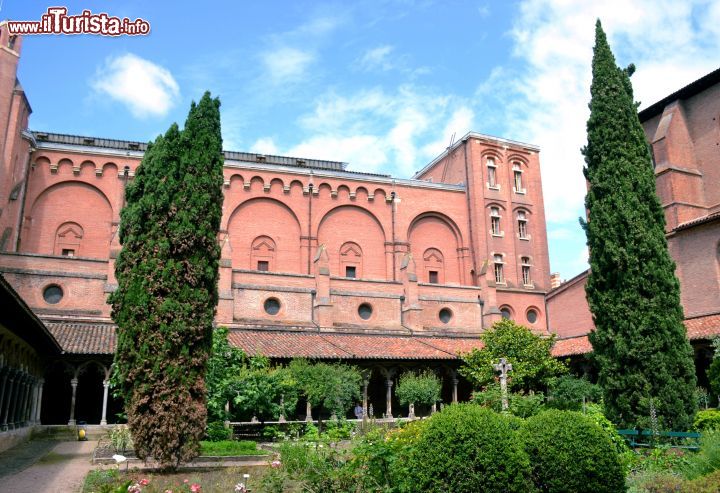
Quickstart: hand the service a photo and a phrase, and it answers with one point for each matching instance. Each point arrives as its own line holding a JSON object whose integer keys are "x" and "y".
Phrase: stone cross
{"x": 503, "y": 367}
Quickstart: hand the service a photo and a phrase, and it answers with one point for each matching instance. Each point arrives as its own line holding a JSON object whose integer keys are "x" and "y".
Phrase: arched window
{"x": 263, "y": 253}
{"x": 351, "y": 260}
{"x": 522, "y": 225}
{"x": 68, "y": 239}
{"x": 525, "y": 268}
{"x": 495, "y": 228}
{"x": 518, "y": 179}
{"x": 492, "y": 174}
{"x": 498, "y": 264}
{"x": 434, "y": 266}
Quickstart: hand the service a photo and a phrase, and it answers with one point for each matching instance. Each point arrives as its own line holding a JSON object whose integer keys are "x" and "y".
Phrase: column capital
{"x": 74, "y": 382}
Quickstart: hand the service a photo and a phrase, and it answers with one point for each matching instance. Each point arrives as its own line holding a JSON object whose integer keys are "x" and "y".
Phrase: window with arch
{"x": 351, "y": 260}
{"x": 492, "y": 173}
{"x": 506, "y": 312}
{"x": 495, "y": 228}
{"x": 522, "y": 225}
{"x": 68, "y": 239}
{"x": 518, "y": 178}
{"x": 262, "y": 254}
{"x": 525, "y": 269}
{"x": 434, "y": 266}
{"x": 498, "y": 264}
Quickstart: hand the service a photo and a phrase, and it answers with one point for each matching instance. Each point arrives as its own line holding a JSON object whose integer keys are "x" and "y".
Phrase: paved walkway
{"x": 44, "y": 466}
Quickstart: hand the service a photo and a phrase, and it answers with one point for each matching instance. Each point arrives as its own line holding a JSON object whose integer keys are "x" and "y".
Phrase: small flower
{"x": 275, "y": 463}
{"x": 144, "y": 482}
{"x": 168, "y": 491}
{"x": 240, "y": 488}
{"x": 195, "y": 488}
{"x": 186, "y": 481}
{"x": 134, "y": 488}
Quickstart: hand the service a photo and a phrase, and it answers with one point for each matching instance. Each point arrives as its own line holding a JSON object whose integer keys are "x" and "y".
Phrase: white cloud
{"x": 286, "y": 63}
{"x": 265, "y": 145}
{"x": 145, "y": 88}
{"x": 377, "y": 59}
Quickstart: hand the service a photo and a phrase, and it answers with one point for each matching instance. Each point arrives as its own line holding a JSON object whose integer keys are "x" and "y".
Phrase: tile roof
{"x": 703, "y": 327}
{"x": 277, "y": 344}
{"x": 84, "y": 338}
{"x": 698, "y": 221}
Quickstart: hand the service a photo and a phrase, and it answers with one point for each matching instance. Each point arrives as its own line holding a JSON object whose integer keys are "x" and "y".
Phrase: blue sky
{"x": 382, "y": 85}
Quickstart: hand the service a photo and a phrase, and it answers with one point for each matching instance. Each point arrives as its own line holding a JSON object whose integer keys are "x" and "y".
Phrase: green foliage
{"x": 466, "y": 448}
{"x": 227, "y": 448}
{"x": 529, "y": 353}
{"x": 570, "y": 453}
{"x": 522, "y": 405}
{"x": 225, "y": 363}
{"x": 595, "y": 414}
{"x": 713, "y": 373}
{"x": 418, "y": 388}
{"x": 707, "y": 419}
{"x": 568, "y": 391}
{"x": 121, "y": 439}
{"x": 217, "y": 432}
{"x": 334, "y": 387}
{"x": 640, "y": 343}
{"x": 707, "y": 459}
{"x": 259, "y": 389}
{"x": 167, "y": 274}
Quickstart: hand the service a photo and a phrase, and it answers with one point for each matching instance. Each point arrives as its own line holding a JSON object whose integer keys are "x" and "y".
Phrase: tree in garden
{"x": 418, "y": 388}
{"x": 262, "y": 391}
{"x": 167, "y": 286}
{"x": 225, "y": 363}
{"x": 533, "y": 364}
{"x": 640, "y": 343}
{"x": 332, "y": 387}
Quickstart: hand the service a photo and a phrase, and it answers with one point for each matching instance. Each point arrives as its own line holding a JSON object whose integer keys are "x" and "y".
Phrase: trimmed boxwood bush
{"x": 570, "y": 453}
{"x": 708, "y": 419}
{"x": 466, "y": 448}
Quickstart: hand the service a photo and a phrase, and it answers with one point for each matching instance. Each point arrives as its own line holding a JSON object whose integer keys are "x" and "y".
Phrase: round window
{"x": 506, "y": 313}
{"x": 53, "y": 294}
{"x": 532, "y": 316}
{"x": 365, "y": 311}
{"x": 445, "y": 315}
{"x": 272, "y": 306}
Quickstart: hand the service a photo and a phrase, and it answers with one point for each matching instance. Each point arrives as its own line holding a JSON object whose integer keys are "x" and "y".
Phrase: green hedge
{"x": 466, "y": 448}
{"x": 570, "y": 453}
{"x": 708, "y": 419}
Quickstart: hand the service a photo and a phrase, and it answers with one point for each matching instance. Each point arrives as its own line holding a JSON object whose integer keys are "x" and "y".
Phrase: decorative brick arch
{"x": 270, "y": 218}
{"x": 437, "y": 236}
{"x": 262, "y": 252}
{"x": 351, "y": 260}
{"x": 350, "y": 223}
{"x": 88, "y": 209}
{"x": 68, "y": 240}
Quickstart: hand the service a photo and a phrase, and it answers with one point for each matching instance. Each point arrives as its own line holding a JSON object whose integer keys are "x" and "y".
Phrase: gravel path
{"x": 45, "y": 467}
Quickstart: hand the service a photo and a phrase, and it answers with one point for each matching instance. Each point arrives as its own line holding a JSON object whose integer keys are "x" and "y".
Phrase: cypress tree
{"x": 640, "y": 344}
{"x": 167, "y": 275}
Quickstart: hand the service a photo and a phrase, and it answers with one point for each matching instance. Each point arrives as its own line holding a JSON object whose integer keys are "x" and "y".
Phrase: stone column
{"x": 73, "y": 384}
{"x": 454, "y": 382}
{"x": 33, "y": 403}
{"x": 38, "y": 413}
{"x": 3, "y": 388}
{"x": 29, "y": 400}
{"x": 106, "y": 384}
{"x": 308, "y": 412}
{"x": 366, "y": 382}
{"x": 15, "y": 404}
{"x": 388, "y": 398}
{"x": 8, "y": 399}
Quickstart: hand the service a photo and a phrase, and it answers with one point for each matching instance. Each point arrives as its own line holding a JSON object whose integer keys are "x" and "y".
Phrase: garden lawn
{"x": 227, "y": 448}
{"x": 209, "y": 479}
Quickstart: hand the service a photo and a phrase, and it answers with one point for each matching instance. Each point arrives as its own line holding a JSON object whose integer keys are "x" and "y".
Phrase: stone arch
{"x": 350, "y": 223}
{"x": 324, "y": 190}
{"x": 65, "y": 167}
{"x": 257, "y": 184}
{"x": 270, "y": 218}
{"x": 519, "y": 159}
{"x": 296, "y": 187}
{"x": 493, "y": 154}
{"x": 42, "y": 161}
{"x": 362, "y": 193}
{"x": 276, "y": 185}
{"x": 433, "y": 230}
{"x": 70, "y": 202}
{"x": 111, "y": 168}
{"x": 88, "y": 165}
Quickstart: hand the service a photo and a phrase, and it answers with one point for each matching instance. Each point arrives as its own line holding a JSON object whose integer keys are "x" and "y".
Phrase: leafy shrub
{"x": 230, "y": 447}
{"x": 705, "y": 484}
{"x": 216, "y": 431}
{"x": 519, "y": 404}
{"x": 568, "y": 391}
{"x": 707, "y": 459}
{"x": 594, "y": 412}
{"x": 708, "y": 419}
{"x": 654, "y": 482}
{"x": 466, "y": 448}
{"x": 338, "y": 429}
{"x": 570, "y": 453}
{"x": 418, "y": 388}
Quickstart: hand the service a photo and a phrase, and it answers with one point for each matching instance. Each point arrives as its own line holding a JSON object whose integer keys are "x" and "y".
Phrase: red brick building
{"x": 318, "y": 260}
{"x": 683, "y": 130}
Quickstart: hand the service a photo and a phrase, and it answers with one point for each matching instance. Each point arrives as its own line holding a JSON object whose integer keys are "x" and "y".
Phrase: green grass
{"x": 230, "y": 447}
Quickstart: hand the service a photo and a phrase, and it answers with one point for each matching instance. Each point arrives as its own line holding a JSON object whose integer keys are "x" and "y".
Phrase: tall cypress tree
{"x": 640, "y": 344}
{"x": 167, "y": 275}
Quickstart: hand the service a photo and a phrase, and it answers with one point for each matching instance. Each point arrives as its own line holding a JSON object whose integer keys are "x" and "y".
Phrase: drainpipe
{"x": 481, "y": 302}
{"x": 392, "y": 205}
{"x": 309, "y": 228}
{"x": 24, "y": 197}
{"x": 470, "y": 215}
{"x": 312, "y": 309}
{"x": 402, "y": 316}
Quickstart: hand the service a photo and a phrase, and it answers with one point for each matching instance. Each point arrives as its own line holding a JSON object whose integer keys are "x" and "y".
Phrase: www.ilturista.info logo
{"x": 56, "y": 21}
